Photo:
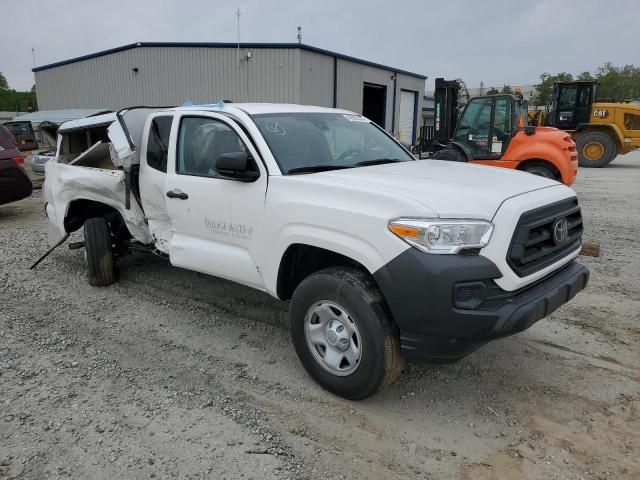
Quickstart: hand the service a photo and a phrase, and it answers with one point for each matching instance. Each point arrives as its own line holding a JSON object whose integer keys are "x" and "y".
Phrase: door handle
{"x": 177, "y": 194}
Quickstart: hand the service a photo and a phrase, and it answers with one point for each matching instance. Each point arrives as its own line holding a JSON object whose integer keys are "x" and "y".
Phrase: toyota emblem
{"x": 560, "y": 230}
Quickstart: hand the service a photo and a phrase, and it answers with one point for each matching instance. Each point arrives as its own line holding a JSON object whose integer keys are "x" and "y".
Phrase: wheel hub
{"x": 337, "y": 335}
{"x": 593, "y": 151}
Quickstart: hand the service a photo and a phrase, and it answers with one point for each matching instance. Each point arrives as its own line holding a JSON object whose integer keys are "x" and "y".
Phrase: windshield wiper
{"x": 379, "y": 161}
{"x": 316, "y": 168}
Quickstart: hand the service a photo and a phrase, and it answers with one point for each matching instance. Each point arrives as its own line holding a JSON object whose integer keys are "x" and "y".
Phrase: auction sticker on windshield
{"x": 355, "y": 118}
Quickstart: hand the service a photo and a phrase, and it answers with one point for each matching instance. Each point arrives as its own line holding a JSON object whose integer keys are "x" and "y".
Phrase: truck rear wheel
{"x": 595, "y": 149}
{"x": 343, "y": 334}
{"x": 98, "y": 247}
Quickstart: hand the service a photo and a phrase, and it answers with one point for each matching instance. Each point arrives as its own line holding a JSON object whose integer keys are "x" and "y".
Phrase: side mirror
{"x": 234, "y": 165}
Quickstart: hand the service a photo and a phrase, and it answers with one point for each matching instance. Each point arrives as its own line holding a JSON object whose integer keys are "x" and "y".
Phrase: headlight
{"x": 441, "y": 235}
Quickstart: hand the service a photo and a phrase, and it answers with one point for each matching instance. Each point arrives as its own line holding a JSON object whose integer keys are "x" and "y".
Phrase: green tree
{"x": 493, "y": 91}
{"x": 618, "y": 84}
{"x": 544, "y": 90}
{"x": 12, "y": 101}
{"x": 464, "y": 91}
{"x": 4, "y": 85}
{"x": 585, "y": 76}
{"x": 507, "y": 89}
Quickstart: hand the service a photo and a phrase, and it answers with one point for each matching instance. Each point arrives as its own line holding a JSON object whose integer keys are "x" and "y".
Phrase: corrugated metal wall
{"x": 316, "y": 79}
{"x": 351, "y": 78}
{"x": 170, "y": 76}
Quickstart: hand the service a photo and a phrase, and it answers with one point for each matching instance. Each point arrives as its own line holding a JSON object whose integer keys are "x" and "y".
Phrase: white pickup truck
{"x": 382, "y": 257}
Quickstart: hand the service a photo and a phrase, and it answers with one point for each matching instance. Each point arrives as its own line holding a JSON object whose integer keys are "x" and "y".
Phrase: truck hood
{"x": 448, "y": 189}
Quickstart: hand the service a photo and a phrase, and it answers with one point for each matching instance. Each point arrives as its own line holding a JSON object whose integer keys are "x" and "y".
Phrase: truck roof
{"x": 261, "y": 108}
{"x": 249, "y": 108}
{"x": 88, "y": 121}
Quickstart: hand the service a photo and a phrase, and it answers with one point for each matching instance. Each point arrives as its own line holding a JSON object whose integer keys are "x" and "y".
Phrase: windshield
{"x": 307, "y": 142}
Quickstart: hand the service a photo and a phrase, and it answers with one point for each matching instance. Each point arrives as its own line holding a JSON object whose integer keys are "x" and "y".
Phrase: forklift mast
{"x": 446, "y": 109}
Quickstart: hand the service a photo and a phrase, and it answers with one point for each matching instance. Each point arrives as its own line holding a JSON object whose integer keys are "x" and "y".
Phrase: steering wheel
{"x": 482, "y": 127}
{"x": 499, "y": 133}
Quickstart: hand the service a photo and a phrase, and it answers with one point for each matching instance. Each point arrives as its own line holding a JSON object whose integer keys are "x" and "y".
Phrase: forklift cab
{"x": 487, "y": 124}
{"x": 492, "y": 131}
{"x": 571, "y": 104}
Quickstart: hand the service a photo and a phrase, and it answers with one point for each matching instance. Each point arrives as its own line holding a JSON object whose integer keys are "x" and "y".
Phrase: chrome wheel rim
{"x": 333, "y": 338}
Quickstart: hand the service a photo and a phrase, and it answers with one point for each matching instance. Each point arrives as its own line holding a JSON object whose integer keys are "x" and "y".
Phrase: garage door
{"x": 407, "y": 116}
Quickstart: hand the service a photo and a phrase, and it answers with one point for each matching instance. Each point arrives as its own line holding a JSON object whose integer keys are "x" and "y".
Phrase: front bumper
{"x": 447, "y": 306}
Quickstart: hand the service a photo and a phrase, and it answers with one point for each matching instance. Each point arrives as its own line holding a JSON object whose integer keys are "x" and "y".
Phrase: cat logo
{"x": 601, "y": 113}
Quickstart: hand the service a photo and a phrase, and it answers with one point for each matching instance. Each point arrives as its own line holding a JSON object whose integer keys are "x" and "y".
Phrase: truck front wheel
{"x": 541, "y": 169}
{"x": 595, "y": 149}
{"x": 451, "y": 154}
{"x": 98, "y": 247}
{"x": 343, "y": 334}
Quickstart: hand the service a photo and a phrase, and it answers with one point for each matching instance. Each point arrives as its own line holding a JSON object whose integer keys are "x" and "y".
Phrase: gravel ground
{"x": 170, "y": 373}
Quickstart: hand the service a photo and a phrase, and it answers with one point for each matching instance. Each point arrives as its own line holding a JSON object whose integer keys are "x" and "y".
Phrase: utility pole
{"x": 299, "y": 34}
{"x": 238, "y": 15}
{"x": 33, "y": 54}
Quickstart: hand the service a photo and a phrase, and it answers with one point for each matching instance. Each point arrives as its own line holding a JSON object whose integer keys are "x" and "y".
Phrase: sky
{"x": 490, "y": 41}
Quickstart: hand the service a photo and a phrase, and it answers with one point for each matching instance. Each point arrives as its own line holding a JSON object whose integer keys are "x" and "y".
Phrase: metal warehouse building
{"x": 172, "y": 73}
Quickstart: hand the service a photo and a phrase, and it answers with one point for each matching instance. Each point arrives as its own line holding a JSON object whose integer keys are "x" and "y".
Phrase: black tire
{"x": 355, "y": 292}
{"x": 98, "y": 247}
{"x": 595, "y": 149}
{"x": 451, "y": 154}
{"x": 541, "y": 170}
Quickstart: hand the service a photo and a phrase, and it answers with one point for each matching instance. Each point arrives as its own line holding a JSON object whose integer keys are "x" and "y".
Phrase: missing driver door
{"x": 216, "y": 221}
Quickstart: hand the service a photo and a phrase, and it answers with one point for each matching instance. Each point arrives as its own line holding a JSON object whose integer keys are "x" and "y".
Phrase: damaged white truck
{"x": 382, "y": 257}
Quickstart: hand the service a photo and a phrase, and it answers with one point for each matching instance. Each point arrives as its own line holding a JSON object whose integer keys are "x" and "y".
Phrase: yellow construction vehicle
{"x": 601, "y": 130}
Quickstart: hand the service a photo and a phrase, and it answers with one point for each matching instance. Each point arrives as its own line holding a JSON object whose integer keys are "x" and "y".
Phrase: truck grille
{"x": 545, "y": 235}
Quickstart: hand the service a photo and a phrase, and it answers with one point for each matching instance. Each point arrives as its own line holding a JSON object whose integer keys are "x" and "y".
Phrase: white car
{"x": 382, "y": 257}
{"x": 37, "y": 161}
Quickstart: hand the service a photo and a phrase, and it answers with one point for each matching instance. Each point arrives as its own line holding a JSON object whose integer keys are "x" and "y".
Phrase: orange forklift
{"x": 492, "y": 130}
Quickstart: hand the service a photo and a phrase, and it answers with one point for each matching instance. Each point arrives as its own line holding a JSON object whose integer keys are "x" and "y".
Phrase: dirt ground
{"x": 171, "y": 373}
